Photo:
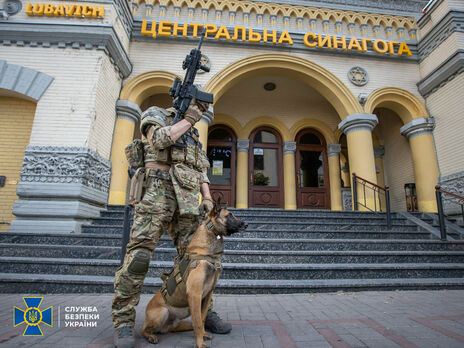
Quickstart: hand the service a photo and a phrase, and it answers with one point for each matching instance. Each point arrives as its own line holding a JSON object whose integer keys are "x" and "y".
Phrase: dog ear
{"x": 217, "y": 207}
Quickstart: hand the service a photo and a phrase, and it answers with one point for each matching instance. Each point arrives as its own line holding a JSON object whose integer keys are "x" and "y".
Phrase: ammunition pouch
{"x": 134, "y": 153}
{"x": 187, "y": 177}
{"x": 136, "y": 186}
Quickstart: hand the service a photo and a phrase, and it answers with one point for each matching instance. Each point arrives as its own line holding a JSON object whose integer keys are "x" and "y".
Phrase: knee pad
{"x": 140, "y": 262}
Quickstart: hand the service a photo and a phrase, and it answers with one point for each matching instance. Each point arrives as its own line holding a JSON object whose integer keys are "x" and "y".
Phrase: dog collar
{"x": 210, "y": 227}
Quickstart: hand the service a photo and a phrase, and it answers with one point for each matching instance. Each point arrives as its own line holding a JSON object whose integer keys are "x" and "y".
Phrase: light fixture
{"x": 269, "y": 86}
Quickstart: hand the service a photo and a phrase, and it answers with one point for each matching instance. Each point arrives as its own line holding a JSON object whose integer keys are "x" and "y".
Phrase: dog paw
{"x": 207, "y": 336}
{"x": 204, "y": 345}
{"x": 153, "y": 339}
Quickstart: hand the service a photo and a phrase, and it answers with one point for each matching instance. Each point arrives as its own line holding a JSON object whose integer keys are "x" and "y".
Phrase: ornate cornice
{"x": 356, "y": 122}
{"x": 28, "y": 82}
{"x": 452, "y": 22}
{"x": 333, "y": 150}
{"x": 59, "y": 164}
{"x": 286, "y": 10}
{"x": 208, "y": 116}
{"x": 411, "y": 7}
{"x": 243, "y": 145}
{"x": 125, "y": 15}
{"x": 128, "y": 110}
{"x": 289, "y": 147}
{"x": 446, "y": 72}
{"x": 418, "y": 126}
{"x": 77, "y": 36}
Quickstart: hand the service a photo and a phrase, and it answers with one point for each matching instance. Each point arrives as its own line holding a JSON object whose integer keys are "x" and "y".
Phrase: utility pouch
{"x": 134, "y": 153}
{"x": 137, "y": 185}
{"x": 187, "y": 177}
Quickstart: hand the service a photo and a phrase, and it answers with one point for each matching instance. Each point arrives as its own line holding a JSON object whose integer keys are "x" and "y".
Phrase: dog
{"x": 195, "y": 286}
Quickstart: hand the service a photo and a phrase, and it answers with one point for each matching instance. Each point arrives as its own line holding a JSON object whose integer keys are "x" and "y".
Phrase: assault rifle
{"x": 184, "y": 92}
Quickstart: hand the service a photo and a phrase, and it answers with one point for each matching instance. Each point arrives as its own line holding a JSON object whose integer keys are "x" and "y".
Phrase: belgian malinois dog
{"x": 195, "y": 286}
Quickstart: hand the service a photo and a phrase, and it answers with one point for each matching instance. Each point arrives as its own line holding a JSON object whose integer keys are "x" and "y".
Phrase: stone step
{"x": 59, "y": 284}
{"x": 238, "y": 256}
{"x": 336, "y": 220}
{"x": 280, "y": 212}
{"x": 51, "y": 283}
{"x": 288, "y": 227}
{"x": 243, "y": 243}
{"x": 240, "y": 270}
{"x": 291, "y": 216}
{"x": 290, "y": 233}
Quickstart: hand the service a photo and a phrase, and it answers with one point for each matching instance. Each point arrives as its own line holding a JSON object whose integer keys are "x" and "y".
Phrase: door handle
{"x": 251, "y": 178}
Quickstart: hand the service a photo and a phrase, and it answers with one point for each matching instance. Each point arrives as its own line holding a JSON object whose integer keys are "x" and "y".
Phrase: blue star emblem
{"x": 33, "y": 316}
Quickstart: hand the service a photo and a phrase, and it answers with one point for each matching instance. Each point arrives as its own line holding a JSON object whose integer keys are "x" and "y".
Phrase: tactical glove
{"x": 207, "y": 205}
{"x": 194, "y": 112}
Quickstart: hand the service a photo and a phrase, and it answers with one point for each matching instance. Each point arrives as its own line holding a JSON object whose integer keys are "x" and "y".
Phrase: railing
{"x": 128, "y": 215}
{"x": 373, "y": 194}
{"x": 441, "y": 214}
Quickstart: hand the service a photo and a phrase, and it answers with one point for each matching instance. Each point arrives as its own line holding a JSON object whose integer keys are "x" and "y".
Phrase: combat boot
{"x": 124, "y": 337}
{"x": 215, "y": 324}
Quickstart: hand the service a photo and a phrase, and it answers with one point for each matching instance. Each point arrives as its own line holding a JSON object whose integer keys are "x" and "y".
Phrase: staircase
{"x": 281, "y": 252}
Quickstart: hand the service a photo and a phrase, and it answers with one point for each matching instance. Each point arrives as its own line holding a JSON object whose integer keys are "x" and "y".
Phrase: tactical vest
{"x": 174, "y": 288}
{"x": 192, "y": 155}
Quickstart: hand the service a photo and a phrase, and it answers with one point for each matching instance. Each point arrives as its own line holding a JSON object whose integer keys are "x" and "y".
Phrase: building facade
{"x": 306, "y": 94}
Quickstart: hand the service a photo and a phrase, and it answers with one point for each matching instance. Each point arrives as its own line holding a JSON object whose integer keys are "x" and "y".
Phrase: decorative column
{"x": 128, "y": 114}
{"x": 203, "y": 124}
{"x": 379, "y": 152}
{"x": 419, "y": 133}
{"x": 289, "y": 175}
{"x": 333, "y": 152}
{"x": 242, "y": 173}
{"x": 358, "y": 129}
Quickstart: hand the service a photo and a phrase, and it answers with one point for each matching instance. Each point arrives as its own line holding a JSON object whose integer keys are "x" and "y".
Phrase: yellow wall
{"x": 397, "y": 161}
{"x": 446, "y": 106}
{"x": 16, "y": 117}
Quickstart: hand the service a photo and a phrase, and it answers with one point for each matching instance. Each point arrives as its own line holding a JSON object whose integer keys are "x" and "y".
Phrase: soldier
{"x": 175, "y": 176}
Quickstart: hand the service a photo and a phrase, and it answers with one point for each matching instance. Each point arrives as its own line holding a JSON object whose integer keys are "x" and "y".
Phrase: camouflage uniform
{"x": 170, "y": 200}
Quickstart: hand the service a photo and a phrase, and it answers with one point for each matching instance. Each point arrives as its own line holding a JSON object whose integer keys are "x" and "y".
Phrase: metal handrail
{"x": 441, "y": 214}
{"x": 376, "y": 190}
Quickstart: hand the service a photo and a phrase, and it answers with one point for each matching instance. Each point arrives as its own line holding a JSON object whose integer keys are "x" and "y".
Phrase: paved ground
{"x": 364, "y": 319}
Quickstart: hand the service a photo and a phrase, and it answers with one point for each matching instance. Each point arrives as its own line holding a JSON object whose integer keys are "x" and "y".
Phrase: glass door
{"x": 221, "y": 155}
{"x": 312, "y": 171}
{"x": 265, "y": 169}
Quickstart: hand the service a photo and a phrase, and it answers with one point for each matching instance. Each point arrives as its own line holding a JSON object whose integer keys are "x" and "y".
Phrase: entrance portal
{"x": 221, "y": 155}
{"x": 312, "y": 171}
{"x": 265, "y": 169}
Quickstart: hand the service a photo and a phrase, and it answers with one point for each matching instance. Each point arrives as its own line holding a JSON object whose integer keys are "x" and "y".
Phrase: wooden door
{"x": 312, "y": 171}
{"x": 221, "y": 154}
{"x": 265, "y": 169}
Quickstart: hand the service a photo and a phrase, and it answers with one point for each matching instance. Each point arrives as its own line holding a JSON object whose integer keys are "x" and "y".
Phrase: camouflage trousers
{"x": 156, "y": 212}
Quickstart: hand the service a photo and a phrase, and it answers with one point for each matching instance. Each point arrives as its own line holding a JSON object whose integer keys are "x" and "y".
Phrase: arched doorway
{"x": 222, "y": 158}
{"x": 312, "y": 170}
{"x": 265, "y": 187}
